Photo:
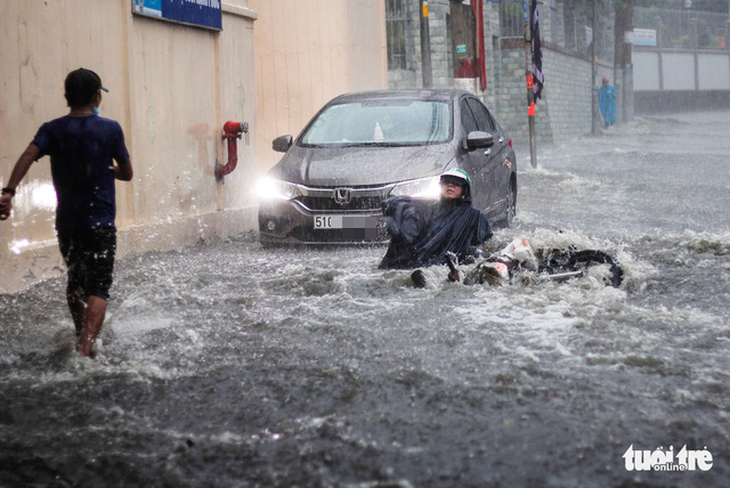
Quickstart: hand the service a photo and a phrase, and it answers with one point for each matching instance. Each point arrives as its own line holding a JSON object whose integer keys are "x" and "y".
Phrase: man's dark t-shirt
{"x": 81, "y": 151}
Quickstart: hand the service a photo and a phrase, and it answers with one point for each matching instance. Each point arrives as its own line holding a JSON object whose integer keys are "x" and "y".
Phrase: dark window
{"x": 467, "y": 119}
{"x": 398, "y": 34}
{"x": 511, "y": 18}
{"x": 484, "y": 119}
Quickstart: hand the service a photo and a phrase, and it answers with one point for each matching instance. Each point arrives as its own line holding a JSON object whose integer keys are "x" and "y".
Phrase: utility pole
{"x": 594, "y": 92}
{"x": 629, "y": 63}
{"x": 623, "y": 66}
{"x": 530, "y": 85}
{"x": 425, "y": 47}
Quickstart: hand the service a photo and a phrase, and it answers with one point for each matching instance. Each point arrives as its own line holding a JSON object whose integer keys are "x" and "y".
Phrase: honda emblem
{"x": 343, "y": 196}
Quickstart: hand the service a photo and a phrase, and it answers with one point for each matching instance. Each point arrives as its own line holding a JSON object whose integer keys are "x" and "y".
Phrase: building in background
{"x": 493, "y": 64}
{"x": 582, "y": 41}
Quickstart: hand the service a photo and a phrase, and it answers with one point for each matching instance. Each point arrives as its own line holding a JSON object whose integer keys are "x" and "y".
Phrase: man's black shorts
{"x": 89, "y": 257}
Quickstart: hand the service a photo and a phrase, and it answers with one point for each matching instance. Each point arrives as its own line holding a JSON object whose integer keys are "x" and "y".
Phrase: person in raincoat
{"x": 425, "y": 233}
{"x": 607, "y": 103}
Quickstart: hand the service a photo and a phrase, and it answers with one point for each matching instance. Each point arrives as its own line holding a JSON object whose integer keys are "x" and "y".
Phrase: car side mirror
{"x": 282, "y": 143}
{"x": 478, "y": 139}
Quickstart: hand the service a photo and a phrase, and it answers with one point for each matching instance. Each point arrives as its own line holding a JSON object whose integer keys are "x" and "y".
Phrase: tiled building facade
{"x": 564, "y": 111}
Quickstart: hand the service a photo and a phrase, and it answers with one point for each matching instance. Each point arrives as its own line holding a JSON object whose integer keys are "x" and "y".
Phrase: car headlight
{"x": 421, "y": 188}
{"x": 272, "y": 189}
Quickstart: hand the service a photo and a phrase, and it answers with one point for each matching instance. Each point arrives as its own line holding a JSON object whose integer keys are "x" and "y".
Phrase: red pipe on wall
{"x": 231, "y": 132}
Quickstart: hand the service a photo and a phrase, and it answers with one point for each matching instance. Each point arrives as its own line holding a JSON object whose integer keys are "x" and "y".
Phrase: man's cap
{"x": 87, "y": 76}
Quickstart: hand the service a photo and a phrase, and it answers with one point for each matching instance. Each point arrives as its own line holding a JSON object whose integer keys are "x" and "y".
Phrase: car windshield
{"x": 381, "y": 122}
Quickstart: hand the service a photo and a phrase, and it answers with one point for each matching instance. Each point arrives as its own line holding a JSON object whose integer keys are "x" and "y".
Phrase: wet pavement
{"x": 226, "y": 364}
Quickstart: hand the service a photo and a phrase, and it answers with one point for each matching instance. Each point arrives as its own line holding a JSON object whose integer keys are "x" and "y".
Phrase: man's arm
{"x": 124, "y": 171}
{"x": 16, "y": 176}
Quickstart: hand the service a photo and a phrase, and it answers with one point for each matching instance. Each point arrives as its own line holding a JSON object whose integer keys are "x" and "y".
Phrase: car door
{"x": 475, "y": 161}
{"x": 494, "y": 175}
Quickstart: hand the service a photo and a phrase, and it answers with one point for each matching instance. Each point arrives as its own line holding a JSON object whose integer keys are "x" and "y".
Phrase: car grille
{"x": 344, "y": 199}
{"x": 329, "y": 203}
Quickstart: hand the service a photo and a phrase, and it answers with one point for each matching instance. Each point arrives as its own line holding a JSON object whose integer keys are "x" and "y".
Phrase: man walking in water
{"x": 83, "y": 148}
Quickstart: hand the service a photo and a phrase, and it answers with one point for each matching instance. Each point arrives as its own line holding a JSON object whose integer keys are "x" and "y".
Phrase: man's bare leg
{"x": 77, "y": 308}
{"x": 92, "y": 322}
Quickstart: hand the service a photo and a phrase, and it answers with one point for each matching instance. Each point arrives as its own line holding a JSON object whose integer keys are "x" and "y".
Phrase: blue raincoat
{"x": 607, "y": 103}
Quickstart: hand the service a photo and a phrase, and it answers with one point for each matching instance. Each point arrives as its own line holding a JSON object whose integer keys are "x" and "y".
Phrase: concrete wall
{"x": 676, "y": 69}
{"x": 308, "y": 52}
{"x": 171, "y": 87}
{"x": 564, "y": 110}
{"x": 667, "y": 80}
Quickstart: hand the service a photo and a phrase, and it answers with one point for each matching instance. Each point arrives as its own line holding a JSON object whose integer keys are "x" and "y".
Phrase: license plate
{"x": 344, "y": 222}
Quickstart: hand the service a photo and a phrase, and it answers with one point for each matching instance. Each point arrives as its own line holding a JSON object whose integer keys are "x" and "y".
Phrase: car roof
{"x": 430, "y": 94}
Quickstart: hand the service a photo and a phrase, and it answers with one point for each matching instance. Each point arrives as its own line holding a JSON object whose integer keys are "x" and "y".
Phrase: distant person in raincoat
{"x": 423, "y": 232}
{"x": 607, "y": 103}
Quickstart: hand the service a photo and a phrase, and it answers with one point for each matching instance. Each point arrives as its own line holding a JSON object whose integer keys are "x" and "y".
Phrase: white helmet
{"x": 460, "y": 174}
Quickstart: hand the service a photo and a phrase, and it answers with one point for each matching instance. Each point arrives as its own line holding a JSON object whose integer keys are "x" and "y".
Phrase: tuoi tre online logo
{"x": 661, "y": 460}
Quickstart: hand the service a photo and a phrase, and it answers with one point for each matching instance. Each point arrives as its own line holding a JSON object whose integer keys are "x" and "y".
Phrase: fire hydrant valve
{"x": 231, "y": 131}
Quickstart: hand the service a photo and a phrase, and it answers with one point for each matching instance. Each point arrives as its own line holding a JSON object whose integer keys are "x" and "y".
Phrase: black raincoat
{"x": 423, "y": 231}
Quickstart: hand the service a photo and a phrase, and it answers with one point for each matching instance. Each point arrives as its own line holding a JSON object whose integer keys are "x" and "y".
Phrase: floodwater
{"x": 226, "y": 364}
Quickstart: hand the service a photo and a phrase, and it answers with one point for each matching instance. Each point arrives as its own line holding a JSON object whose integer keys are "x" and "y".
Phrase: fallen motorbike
{"x": 547, "y": 264}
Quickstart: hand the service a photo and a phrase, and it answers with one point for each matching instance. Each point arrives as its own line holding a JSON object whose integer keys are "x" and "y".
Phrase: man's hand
{"x": 6, "y": 205}
{"x": 453, "y": 271}
{"x": 124, "y": 171}
{"x": 19, "y": 170}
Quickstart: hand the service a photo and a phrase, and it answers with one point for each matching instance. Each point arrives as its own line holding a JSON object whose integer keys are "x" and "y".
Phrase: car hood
{"x": 359, "y": 166}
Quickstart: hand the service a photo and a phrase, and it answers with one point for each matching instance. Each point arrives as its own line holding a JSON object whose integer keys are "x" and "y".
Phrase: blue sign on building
{"x": 200, "y": 13}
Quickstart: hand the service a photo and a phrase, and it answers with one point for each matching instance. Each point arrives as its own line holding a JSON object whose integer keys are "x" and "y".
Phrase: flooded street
{"x": 227, "y": 364}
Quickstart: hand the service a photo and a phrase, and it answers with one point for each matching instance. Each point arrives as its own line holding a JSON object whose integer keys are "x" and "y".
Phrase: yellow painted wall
{"x": 170, "y": 86}
{"x": 307, "y": 52}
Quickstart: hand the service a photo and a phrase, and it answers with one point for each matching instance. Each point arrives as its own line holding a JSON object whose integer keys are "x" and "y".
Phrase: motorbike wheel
{"x": 567, "y": 264}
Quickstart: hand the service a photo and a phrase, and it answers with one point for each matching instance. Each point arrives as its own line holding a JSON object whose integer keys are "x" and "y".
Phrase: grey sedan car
{"x": 362, "y": 148}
